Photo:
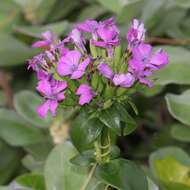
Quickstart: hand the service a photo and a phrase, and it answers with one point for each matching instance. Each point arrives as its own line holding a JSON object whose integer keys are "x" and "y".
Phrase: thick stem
{"x": 105, "y": 145}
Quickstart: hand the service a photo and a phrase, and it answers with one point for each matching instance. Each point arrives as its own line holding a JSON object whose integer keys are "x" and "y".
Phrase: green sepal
{"x": 93, "y": 51}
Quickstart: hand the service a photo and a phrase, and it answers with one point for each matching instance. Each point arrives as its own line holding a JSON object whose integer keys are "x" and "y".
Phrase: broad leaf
{"x": 61, "y": 174}
{"x": 179, "y": 106}
{"x": 117, "y": 118}
{"x": 178, "y": 69}
{"x": 16, "y": 132}
{"x": 181, "y": 132}
{"x": 26, "y": 103}
{"x": 122, "y": 174}
{"x": 36, "y": 11}
{"x": 57, "y": 28}
{"x": 173, "y": 152}
{"x": 13, "y": 52}
{"x": 9, "y": 14}
{"x": 84, "y": 131}
{"x": 33, "y": 181}
{"x": 9, "y": 162}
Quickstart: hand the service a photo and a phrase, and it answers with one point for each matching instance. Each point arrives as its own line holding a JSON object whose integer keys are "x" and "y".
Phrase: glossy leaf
{"x": 118, "y": 118}
{"x": 179, "y": 106}
{"x": 26, "y": 103}
{"x": 16, "y": 132}
{"x": 84, "y": 131}
{"x": 122, "y": 174}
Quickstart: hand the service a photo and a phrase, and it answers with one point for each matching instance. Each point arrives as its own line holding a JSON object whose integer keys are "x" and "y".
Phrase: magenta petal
{"x": 105, "y": 70}
{"x": 77, "y": 74}
{"x": 83, "y": 89}
{"x": 39, "y": 44}
{"x": 47, "y": 35}
{"x": 146, "y": 82}
{"x": 59, "y": 86}
{"x": 63, "y": 69}
{"x": 72, "y": 57}
{"x": 84, "y": 99}
{"x": 44, "y": 87}
{"x": 159, "y": 59}
{"x": 43, "y": 109}
{"x": 142, "y": 51}
{"x": 88, "y": 26}
{"x": 60, "y": 96}
{"x": 99, "y": 43}
{"x": 124, "y": 80}
{"x": 82, "y": 66}
{"x": 53, "y": 106}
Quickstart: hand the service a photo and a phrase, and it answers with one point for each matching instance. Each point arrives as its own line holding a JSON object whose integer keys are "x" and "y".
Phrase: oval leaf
{"x": 26, "y": 103}
{"x": 179, "y": 106}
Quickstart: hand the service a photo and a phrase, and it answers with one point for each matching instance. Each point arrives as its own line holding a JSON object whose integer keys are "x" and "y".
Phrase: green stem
{"x": 90, "y": 175}
{"x": 105, "y": 145}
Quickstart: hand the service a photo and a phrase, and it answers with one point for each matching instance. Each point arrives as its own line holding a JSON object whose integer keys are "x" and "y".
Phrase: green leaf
{"x": 84, "y": 159}
{"x": 178, "y": 69}
{"x": 151, "y": 10}
{"x": 33, "y": 181}
{"x": 116, "y": 118}
{"x": 5, "y": 188}
{"x": 152, "y": 185}
{"x": 61, "y": 174}
{"x": 93, "y": 10}
{"x": 172, "y": 152}
{"x": 84, "y": 131}
{"x": 122, "y": 174}
{"x": 169, "y": 171}
{"x": 180, "y": 3}
{"x": 19, "y": 51}
{"x": 180, "y": 132}
{"x": 116, "y": 6}
{"x": 129, "y": 12}
{"x": 26, "y": 103}
{"x": 9, "y": 162}
{"x": 16, "y": 132}
{"x": 179, "y": 106}
{"x": 57, "y": 28}
{"x": 9, "y": 14}
{"x": 61, "y": 11}
{"x": 36, "y": 11}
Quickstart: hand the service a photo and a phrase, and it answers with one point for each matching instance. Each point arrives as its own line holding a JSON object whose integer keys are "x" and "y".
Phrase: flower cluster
{"x": 89, "y": 65}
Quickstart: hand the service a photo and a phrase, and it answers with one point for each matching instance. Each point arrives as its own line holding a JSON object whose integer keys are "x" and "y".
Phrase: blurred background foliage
{"x": 161, "y": 142}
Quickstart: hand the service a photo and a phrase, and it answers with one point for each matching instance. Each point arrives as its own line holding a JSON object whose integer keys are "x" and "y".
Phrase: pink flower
{"x": 86, "y": 94}
{"x": 144, "y": 62}
{"x": 69, "y": 65}
{"x": 77, "y": 38}
{"x": 136, "y": 33}
{"x": 105, "y": 70}
{"x": 124, "y": 80}
{"x": 53, "y": 91}
{"x": 48, "y": 40}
